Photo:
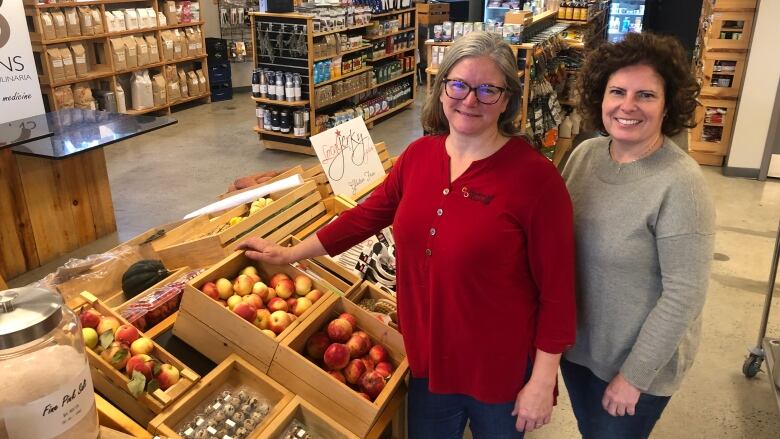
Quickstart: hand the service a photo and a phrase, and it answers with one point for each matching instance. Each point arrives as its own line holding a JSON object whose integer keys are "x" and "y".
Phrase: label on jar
{"x": 300, "y": 131}
{"x": 54, "y": 414}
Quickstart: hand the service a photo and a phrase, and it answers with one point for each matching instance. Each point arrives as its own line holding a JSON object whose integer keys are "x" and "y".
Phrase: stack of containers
{"x": 219, "y": 69}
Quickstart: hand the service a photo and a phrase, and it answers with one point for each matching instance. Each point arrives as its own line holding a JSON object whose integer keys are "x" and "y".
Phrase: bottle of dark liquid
{"x": 256, "y": 84}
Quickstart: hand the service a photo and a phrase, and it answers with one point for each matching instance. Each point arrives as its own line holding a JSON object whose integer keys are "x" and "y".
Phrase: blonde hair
{"x": 476, "y": 44}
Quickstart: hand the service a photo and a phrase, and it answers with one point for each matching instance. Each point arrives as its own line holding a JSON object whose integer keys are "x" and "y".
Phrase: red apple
{"x": 142, "y": 346}
{"x": 90, "y": 318}
{"x": 291, "y": 303}
{"x": 253, "y": 299}
{"x": 116, "y": 355}
{"x": 358, "y": 346}
{"x": 126, "y": 334}
{"x": 276, "y": 278}
{"x": 302, "y": 285}
{"x": 233, "y": 301}
{"x": 339, "y": 330}
{"x": 247, "y": 311}
{"x": 364, "y": 335}
{"x": 107, "y": 324}
{"x": 285, "y": 288}
{"x": 369, "y": 362}
{"x": 317, "y": 344}
{"x": 336, "y": 356}
{"x": 268, "y": 332}
{"x": 354, "y": 370}
{"x": 300, "y": 306}
{"x": 350, "y": 318}
{"x": 338, "y": 375}
{"x": 250, "y": 270}
{"x": 210, "y": 289}
{"x": 384, "y": 368}
{"x": 372, "y": 384}
{"x": 260, "y": 289}
{"x": 277, "y": 304}
{"x": 271, "y": 294}
{"x": 279, "y": 321}
{"x": 142, "y": 364}
{"x": 378, "y": 354}
{"x": 254, "y": 276}
{"x": 224, "y": 288}
{"x": 314, "y": 295}
{"x": 167, "y": 376}
{"x": 364, "y": 396}
{"x": 243, "y": 285}
{"x": 293, "y": 317}
{"x": 262, "y": 318}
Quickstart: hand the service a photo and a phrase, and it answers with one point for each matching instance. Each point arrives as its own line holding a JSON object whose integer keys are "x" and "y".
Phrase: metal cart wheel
{"x": 752, "y": 365}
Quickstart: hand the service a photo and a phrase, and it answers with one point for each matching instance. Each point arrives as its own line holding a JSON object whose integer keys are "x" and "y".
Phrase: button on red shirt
{"x": 485, "y": 264}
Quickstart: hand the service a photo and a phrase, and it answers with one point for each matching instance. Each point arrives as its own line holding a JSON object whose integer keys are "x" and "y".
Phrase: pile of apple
{"x": 350, "y": 356}
{"x": 123, "y": 347}
{"x": 273, "y": 307}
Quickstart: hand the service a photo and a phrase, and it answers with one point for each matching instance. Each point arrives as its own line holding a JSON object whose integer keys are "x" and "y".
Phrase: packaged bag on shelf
{"x": 109, "y": 22}
{"x": 119, "y": 20}
{"x": 167, "y": 51}
{"x": 183, "y": 84}
{"x": 199, "y": 41}
{"x": 161, "y": 20}
{"x": 151, "y": 43}
{"x": 57, "y": 72}
{"x": 170, "y": 73}
{"x": 141, "y": 90}
{"x": 204, "y": 87}
{"x": 159, "y": 90}
{"x": 174, "y": 91}
{"x": 72, "y": 22}
{"x": 142, "y": 50}
{"x": 131, "y": 19}
{"x": 60, "y": 28}
{"x": 97, "y": 21}
{"x": 152, "y": 17}
{"x": 184, "y": 11}
{"x": 63, "y": 97}
{"x": 193, "y": 85}
{"x": 121, "y": 99}
{"x": 80, "y": 59}
{"x": 67, "y": 63}
{"x": 143, "y": 19}
{"x": 85, "y": 19}
{"x": 169, "y": 9}
{"x": 47, "y": 26}
{"x": 195, "y": 10}
{"x": 118, "y": 53}
{"x": 82, "y": 97}
{"x": 131, "y": 52}
{"x": 179, "y": 45}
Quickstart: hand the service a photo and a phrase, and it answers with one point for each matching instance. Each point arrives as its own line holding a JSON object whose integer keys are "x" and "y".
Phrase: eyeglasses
{"x": 485, "y": 93}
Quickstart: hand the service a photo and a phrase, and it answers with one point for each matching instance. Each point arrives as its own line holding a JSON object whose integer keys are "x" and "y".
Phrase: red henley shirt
{"x": 485, "y": 264}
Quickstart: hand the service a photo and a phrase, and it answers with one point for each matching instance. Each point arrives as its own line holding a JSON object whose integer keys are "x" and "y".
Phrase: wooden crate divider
{"x": 367, "y": 290}
{"x": 234, "y": 371}
{"x": 112, "y": 383}
{"x": 315, "y": 385}
{"x": 111, "y": 417}
{"x": 298, "y": 169}
{"x": 325, "y": 270}
{"x": 310, "y": 416}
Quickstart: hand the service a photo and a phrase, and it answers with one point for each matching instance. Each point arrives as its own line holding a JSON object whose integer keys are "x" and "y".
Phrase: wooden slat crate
{"x": 112, "y": 383}
{"x": 698, "y": 142}
{"x": 288, "y": 173}
{"x": 111, "y": 417}
{"x": 721, "y": 28}
{"x": 310, "y": 416}
{"x": 735, "y": 5}
{"x": 303, "y": 377}
{"x": 325, "y": 270}
{"x": 232, "y": 372}
{"x": 227, "y": 331}
{"x": 367, "y": 290}
{"x": 195, "y": 244}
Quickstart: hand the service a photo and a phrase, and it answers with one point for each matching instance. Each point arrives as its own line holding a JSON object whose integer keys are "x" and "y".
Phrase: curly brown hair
{"x": 664, "y": 54}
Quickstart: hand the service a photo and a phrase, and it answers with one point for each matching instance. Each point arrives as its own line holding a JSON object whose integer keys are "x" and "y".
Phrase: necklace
{"x": 651, "y": 147}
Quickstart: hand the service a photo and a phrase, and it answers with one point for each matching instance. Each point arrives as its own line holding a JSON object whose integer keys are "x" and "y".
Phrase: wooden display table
{"x": 55, "y": 191}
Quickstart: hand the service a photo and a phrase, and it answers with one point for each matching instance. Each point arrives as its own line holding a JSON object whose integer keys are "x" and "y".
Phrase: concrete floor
{"x": 159, "y": 177}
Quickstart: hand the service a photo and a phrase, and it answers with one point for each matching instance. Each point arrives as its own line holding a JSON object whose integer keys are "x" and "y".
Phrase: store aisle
{"x": 157, "y": 178}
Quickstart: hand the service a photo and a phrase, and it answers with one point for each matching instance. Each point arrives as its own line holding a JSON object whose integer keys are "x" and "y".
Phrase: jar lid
{"x": 27, "y": 314}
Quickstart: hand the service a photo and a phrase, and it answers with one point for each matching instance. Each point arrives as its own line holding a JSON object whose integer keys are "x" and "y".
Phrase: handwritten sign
{"x": 348, "y": 157}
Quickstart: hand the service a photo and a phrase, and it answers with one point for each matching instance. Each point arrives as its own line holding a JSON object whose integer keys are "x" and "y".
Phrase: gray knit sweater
{"x": 645, "y": 235}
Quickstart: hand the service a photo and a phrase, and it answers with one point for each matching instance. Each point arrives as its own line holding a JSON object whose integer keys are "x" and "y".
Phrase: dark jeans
{"x": 586, "y": 390}
{"x": 439, "y": 416}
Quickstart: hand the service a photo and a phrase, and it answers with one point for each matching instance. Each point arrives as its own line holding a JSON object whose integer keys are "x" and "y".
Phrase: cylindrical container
{"x": 289, "y": 89}
{"x": 259, "y": 113}
{"x": 299, "y": 129}
{"x": 297, "y": 86}
{"x": 267, "y": 120}
{"x": 46, "y": 387}
{"x": 285, "y": 121}
{"x": 275, "y": 122}
{"x": 256, "y": 84}
{"x": 271, "y": 79}
{"x": 280, "y": 86}
{"x": 263, "y": 84}
{"x": 306, "y": 119}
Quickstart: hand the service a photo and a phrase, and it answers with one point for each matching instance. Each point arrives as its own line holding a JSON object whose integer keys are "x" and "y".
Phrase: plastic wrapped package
{"x": 154, "y": 307}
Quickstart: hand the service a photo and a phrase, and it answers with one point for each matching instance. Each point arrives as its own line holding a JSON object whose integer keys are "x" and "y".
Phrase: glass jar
{"x": 46, "y": 388}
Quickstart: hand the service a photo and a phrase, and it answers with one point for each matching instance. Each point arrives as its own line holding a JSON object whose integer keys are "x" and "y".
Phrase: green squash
{"x": 141, "y": 276}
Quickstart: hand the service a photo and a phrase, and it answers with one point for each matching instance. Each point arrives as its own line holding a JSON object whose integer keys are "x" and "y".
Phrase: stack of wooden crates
{"x": 720, "y": 60}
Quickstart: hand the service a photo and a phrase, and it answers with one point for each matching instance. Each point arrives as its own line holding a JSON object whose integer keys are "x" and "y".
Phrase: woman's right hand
{"x": 263, "y": 250}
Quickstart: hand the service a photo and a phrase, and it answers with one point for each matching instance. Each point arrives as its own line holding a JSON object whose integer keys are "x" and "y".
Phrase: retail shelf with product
{"x": 338, "y": 63}
{"x": 134, "y": 57}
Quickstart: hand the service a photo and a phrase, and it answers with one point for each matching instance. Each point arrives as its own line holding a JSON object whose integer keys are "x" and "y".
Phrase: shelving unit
{"x": 103, "y": 74}
{"x": 267, "y": 26}
{"x": 720, "y": 58}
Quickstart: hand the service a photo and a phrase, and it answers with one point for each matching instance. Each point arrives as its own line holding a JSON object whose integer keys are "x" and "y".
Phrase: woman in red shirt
{"x": 484, "y": 253}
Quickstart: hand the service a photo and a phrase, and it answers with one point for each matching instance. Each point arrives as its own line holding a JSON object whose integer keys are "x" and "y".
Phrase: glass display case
{"x": 625, "y": 16}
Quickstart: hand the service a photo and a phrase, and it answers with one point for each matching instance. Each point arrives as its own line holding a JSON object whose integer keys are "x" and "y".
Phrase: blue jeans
{"x": 586, "y": 390}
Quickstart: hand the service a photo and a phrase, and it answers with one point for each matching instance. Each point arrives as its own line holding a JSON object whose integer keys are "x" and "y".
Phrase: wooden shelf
{"x": 147, "y": 110}
{"x": 280, "y": 103}
{"x": 712, "y": 124}
{"x": 180, "y": 25}
{"x": 189, "y": 58}
{"x": 589, "y": 20}
{"x": 143, "y": 67}
{"x": 341, "y": 99}
{"x": 544, "y": 15}
{"x": 346, "y": 75}
{"x": 345, "y": 29}
{"x": 189, "y": 99}
{"x": 116, "y": 34}
{"x": 277, "y": 133}
{"x": 396, "y": 12}
{"x": 75, "y": 4}
{"x": 358, "y": 49}
{"x": 91, "y": 77}
{"x": 390, "y": 111}
{"x": 389, "y": 34}
{"x": 388, "y": 55}
{"x": 404, "y": 75}
{"x": 295, "y": 15}
{"x": 72, "y": 39}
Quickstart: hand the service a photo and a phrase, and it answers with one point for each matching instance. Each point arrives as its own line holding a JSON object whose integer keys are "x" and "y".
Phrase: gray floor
{"x": 159, "y": 177}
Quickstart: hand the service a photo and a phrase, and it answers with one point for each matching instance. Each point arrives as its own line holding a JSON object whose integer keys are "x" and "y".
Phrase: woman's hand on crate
{"x": 264, "y": 250}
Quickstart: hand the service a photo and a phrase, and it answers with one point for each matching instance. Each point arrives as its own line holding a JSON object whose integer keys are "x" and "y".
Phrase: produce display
{"x": 253, "y": 180}
{"x": 159, "y": 304}
{"x": 142, "y": 275}
{"x": 270, "y": 307}
{"x": 125, "y": 349}
{"x": 350, "y": 356}
{"x": 232, "y": 412}
{"x": 297, "y": 430}
{"x": 254, "y": 207}
{"x": 384, "y": 309}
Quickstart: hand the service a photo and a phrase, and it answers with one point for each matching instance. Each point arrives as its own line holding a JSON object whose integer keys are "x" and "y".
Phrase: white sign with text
{"x": 20, "y": 92}
{"x": 348, "y": 157}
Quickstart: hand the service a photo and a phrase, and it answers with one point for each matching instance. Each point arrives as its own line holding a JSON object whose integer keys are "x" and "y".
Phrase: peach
{"x": 384, "y": 368}
{"x": 268, "y": 332}
{"x": 233, "y": 300}
{"x": 107, "y": 324}
{"x": 292, "y": 316}
{"x": 358, "y": 346}
{"x": 260, "y": 289}
{"x": 126, "y": 334}
{"x": 314, "y": 295}
{"x": 336, "y": 356}
{"x": 350, "y": 318}
{"x": 90, "y": 318}
{"x": 243, "y": 285}
{"x": 378, "y": 354}
{"x": 300, "y": 306}
{"x": 279, "y": 321}
{"x": 354, "y": 370}
{"x": 250, "y": 270}
{"x": 140, "y": 363}
{"x": 369, "y": 362}
{"x": 317, "y": 344}
{"x": 291, "y": 303}
{"x": 224, "y": 288}
{"x": 372, "y": 384}
{"x": 338, "y": 375}
{"x": 210, "y": 289}
{"x": 339, "y": 330}
{"x": 255, "y": 278}
{"x": 246, "y": 311}
{"x": 271, "y": 294}
{"x": 254, "y": 299}
{"x": 167, "y": 376}
{"x": 277, "y": 304}
{"x": 116, "y": 355}
{"x": 262, "y": 318}
{"x": 285, "y": 288}
{"x": 302, "y": 285}
{"x": 142, "y": 346}
{"x": 276, "y": 278}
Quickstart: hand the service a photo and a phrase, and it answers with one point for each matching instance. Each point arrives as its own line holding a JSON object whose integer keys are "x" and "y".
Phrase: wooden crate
{"x": 315, "y": 385}
{"x": 333, "y": 206}
{"x": 326, "y": 270}
{"x": 310, "y": 416}
{"x": 735, "y": 5}
{"x": 697, "y": 141}
{"x": 233, "y": 331}
{"x": 111, "y": 417}
{"x": 298, "y": 169}
{"x": 367, "y": 290}
{"x": 713, "y": 66}
{"x": 192, "y": 244}
{"x": 232, "y": 372}
{"x": 112, "y": 383}
{"x": 433, "y": 13}
{"x": 721, "y": 28}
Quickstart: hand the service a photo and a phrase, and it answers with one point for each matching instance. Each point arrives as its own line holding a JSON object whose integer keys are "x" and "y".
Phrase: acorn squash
{"x": 142, "y": 275}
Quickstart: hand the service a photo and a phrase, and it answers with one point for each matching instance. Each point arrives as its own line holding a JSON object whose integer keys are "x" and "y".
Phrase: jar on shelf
{"x": 46, "y": 388}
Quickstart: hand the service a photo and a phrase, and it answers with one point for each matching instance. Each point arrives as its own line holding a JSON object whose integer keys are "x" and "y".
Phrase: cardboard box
{"x": 433, "y": 13}
{"x": 518, "y": 17}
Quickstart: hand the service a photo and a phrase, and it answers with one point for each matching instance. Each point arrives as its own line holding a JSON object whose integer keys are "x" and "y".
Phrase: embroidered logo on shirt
{"x": 476, "y": 196}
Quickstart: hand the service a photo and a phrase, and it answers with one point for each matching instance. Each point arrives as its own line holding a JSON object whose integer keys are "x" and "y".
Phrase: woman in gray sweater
{"x": 644, "y": 227}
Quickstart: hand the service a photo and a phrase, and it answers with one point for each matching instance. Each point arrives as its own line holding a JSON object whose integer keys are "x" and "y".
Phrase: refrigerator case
{"x": 496, "y": 9}
{"x": 625, "y": 16}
